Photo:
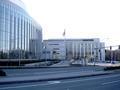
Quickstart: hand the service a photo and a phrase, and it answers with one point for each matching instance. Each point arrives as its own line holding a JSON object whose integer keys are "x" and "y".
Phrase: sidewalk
{"x": 59, "y": 76}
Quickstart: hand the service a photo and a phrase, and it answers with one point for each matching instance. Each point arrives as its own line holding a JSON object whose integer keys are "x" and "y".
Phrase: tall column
{"x": 90, "y": 49}
{"x": 76, "y": 46}
{"x": 79, "y": 50}
{"x": 83, "y": 50}
{"x": 87, "y": 49}
{"x": 73, "y": 49}
{"x": 94, "y": 48}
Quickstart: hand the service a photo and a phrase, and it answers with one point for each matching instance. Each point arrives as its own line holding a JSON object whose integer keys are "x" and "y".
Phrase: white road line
{"x": 110, "y": 82}
{"x": 54, "y": 82}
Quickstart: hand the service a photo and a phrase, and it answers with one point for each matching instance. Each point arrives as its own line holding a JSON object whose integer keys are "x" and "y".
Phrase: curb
{"x": 35, "y": 67}
{"x": 30, "y": 67}
{"x": 49, "y": 79}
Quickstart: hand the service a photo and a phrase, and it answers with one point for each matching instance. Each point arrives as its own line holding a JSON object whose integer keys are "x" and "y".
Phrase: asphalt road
{"x": 104, "y": 82}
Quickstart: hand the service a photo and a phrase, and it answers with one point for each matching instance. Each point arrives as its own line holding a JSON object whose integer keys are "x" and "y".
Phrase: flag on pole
{"x": 64, "y": 32}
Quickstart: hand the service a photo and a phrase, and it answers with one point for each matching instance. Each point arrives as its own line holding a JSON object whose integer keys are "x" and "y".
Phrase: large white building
{"x": 20, "y": 34}
{"x": 74, "y": 49}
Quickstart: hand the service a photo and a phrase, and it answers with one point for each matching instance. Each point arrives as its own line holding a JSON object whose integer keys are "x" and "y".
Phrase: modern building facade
{"x": 20, "y": 34}
{"x": 76, "y": 49}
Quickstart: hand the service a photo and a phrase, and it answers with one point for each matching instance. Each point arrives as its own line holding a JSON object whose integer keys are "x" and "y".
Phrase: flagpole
{"x": 64, "y": 35}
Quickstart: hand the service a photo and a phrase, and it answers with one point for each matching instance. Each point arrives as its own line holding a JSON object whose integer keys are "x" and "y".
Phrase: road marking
{"x": 68, "y": 89}
{"x": 54, "y": 82}
{"x": 111, "y": 82}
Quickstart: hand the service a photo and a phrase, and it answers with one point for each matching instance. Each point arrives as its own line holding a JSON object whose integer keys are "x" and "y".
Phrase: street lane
{"x": 104, "y": 82}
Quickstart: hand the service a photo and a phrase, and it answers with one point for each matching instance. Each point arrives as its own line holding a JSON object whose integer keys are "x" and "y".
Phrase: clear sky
{"x": 80, "y": 18}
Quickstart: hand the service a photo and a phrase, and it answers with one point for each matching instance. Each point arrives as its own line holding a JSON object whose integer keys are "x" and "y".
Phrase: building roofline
{"x": 71, "y": 39}
{"x": 19, "y": 3}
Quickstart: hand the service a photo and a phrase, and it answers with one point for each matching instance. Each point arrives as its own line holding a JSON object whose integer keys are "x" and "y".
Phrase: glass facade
{"x": 20, "y": 35}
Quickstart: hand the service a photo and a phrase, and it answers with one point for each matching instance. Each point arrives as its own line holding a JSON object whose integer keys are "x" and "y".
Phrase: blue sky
{"x": 80, "y": 18}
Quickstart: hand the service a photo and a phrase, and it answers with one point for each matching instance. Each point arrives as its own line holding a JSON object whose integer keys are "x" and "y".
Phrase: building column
{"x": 76, "y": 51}
{"x": 73, "y": 54}
{"x": 91, "y": 50}
{"x": 83, "y": 50}
{"x": 80, "y": 50}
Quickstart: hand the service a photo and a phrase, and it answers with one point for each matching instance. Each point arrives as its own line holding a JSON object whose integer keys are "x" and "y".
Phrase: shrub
{"x": 2, "y": 73}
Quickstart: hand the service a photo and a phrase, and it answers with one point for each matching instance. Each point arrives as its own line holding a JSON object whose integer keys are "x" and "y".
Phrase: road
{"x": 104, "y": 82}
